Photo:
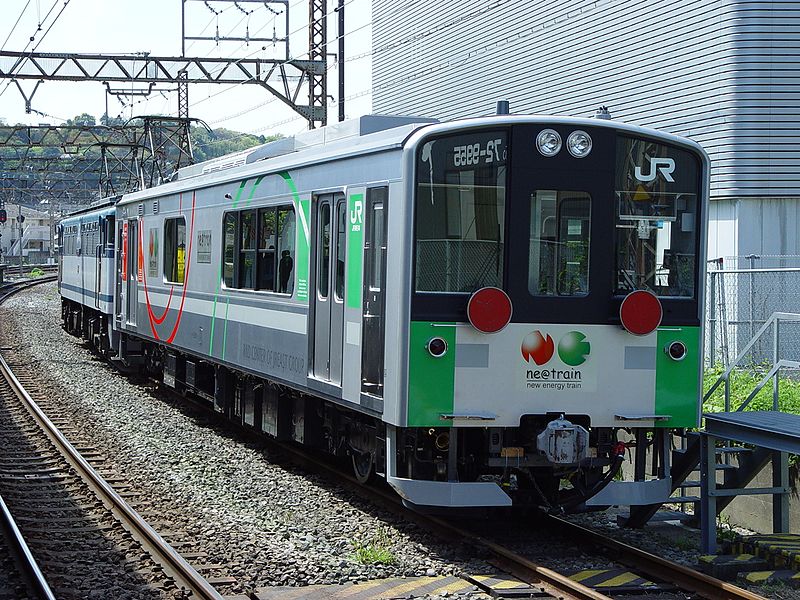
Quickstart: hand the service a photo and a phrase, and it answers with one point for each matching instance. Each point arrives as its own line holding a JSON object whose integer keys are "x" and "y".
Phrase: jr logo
{"x": 665, "y": 166}
{"x": 357, "y": 215}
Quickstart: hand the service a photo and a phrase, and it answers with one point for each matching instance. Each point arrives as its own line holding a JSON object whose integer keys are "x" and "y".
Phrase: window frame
{"x": 573, "y": 195}
{"x": 257, "y": 251}
{"x": 173, "y": 253}
{"x": 505, "y": 170}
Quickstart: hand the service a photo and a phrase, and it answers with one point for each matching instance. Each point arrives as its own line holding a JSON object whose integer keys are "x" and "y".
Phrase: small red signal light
{"x": 641, "y": 312}
{"x": 489, "y": 309}
{"x": 3, "y": 215}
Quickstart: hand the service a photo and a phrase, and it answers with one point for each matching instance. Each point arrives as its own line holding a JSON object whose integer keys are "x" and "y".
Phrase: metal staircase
{"x": 736, "y": 475}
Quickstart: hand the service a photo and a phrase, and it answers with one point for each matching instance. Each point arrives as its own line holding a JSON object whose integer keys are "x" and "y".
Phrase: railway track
{"x": 542, "y": 580}
{"x": 87, "y": 540}
{"x": 20, "y": 576}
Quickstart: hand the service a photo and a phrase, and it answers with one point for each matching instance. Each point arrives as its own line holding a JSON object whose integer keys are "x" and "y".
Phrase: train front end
{"x": 555, "y": 310}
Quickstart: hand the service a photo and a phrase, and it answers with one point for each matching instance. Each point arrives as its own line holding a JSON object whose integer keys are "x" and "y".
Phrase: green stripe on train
{"x": 677, "y": 382}
{"x": 431, "y": 381}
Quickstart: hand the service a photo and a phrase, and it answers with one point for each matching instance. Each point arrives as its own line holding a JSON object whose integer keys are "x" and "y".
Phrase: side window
{"x": 175, "y": 250}
{"x": 259, "y": 248}
{"x": 558, "y": 255}
{"x": 377, "y": 241}
{"x": 229, "y": 235}
{"x": 110, "y": 232}
{"x": 287, "y": 234}
{"x": 247, "y": 250}
{"x": 324, "y": 246}
{"x": 341, "y": 225}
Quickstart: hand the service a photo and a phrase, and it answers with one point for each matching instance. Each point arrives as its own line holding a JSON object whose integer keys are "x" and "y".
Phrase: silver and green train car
{"x": 484, "y": 312}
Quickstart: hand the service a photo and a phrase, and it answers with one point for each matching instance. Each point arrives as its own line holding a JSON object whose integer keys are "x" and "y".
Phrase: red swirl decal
{"x": 153, "y": 320}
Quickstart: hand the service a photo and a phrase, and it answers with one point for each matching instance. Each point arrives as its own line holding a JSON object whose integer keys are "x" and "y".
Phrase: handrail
{"x": 773, "y": 322}
{"x": 789, "y": 364}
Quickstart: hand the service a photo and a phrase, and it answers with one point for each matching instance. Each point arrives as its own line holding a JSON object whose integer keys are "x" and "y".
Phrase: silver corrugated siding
{"x": 721, "y": 72}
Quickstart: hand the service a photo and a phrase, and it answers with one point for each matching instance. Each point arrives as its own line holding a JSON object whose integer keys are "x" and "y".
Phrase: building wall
{"x": 722, "y": 72}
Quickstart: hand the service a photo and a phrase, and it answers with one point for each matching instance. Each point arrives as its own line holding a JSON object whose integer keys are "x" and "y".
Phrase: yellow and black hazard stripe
{"x": 617, "y": 579}
{"x": 377, "y": 589}
{"x": 784, "y": 576}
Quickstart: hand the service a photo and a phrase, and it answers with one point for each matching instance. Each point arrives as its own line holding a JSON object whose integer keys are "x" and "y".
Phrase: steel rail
{"x": 29, "y": 569}
{"x": 549, "y": 581}
{"x": 640, "y": 561}
{"x": 527, "y": 570}
{"x": 10, "y": 288}
{"x": 174, "y": 565}
{"x": 659, "y": 568}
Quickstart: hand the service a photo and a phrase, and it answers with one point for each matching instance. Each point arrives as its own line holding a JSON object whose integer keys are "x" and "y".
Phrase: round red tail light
{"x": 641, "y": 312}
{"x": 489, "y": 309}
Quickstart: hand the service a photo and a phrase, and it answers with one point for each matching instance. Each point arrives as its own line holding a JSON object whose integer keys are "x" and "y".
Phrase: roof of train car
{"x": 90, "y": 211}
{"x": 98, "y": 206}
{"x": 380, "y": 141}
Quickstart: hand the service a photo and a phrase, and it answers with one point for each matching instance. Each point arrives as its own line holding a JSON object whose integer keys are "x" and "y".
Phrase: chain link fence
{"x": 742, "y": 293}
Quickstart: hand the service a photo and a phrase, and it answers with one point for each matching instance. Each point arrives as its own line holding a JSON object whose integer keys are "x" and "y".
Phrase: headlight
{"x": 548, "y": 142}
{"x": 579, "y": 144}
{"x": 676, "y": 350}
{"x": 437, "y": 347}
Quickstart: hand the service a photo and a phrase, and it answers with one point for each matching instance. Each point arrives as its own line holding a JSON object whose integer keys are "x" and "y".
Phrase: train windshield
{"x": 460, "y": 212}
{"x": 657, "y": 191}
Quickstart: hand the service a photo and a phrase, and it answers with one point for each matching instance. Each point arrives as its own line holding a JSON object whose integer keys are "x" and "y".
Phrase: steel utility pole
{"x": 183, "y": 76}
{"x": 20, "y": 220}
{"x": 340, "y": 10}
{"x": 317, "y": 48}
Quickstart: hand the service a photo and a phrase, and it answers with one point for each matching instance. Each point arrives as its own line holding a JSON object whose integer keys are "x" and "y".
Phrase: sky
{"x": 154, "y": 26}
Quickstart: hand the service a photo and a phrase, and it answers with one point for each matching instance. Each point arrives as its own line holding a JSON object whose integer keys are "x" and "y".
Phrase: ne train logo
{"x": 572, "y": 348}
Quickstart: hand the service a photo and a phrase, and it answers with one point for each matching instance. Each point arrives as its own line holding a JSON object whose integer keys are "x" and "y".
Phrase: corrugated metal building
{"x": 722, "y": 72}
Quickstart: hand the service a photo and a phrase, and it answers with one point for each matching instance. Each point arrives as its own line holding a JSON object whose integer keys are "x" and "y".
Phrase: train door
{"x": 122, "y": 271}
{"x": 374, "y": 329}
{"x": 98, "y": 255}
{"x": 81, "y": 251}
{"x": 131, "y": 269}
{"x": 331, "y": 219}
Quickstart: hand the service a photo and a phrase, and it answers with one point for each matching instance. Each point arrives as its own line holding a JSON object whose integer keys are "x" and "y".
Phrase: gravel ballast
{"x": 269, "y": 523}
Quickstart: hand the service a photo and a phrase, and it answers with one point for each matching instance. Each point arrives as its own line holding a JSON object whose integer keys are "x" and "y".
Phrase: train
{"x": 487, "y": 312}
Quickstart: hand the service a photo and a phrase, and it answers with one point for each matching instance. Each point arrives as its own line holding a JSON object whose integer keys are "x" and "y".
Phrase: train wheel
{"x": 363, "y": 466}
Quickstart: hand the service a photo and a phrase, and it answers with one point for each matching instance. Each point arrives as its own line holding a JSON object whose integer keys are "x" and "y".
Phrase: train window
{"x": 247, "y": 250}
{"x": 287, "y": 230}
{"x": 229, "y": 235}
{"x": 110, "y": 232}
{"x": 324, "y": 248}
{"x": 657, "y": 188}
{"x": 340, "y": 250}
{"x": 460, "y": 212}
{"x": 264, "y": 257}
{"x": 175, "y": 250}
{"x": 266, "y": 249}
{"x": 377, "y": 239}
{"x": 558, "y": 255}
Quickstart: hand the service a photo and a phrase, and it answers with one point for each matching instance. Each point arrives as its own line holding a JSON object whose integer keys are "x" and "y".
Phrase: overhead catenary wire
{"x": 415, "y": 37}
{"x": 19, "y": 18}
{"x": 33, "y": 37}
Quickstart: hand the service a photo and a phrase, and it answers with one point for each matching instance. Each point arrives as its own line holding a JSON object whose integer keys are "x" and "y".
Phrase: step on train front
{"x": 484, "y": 312}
